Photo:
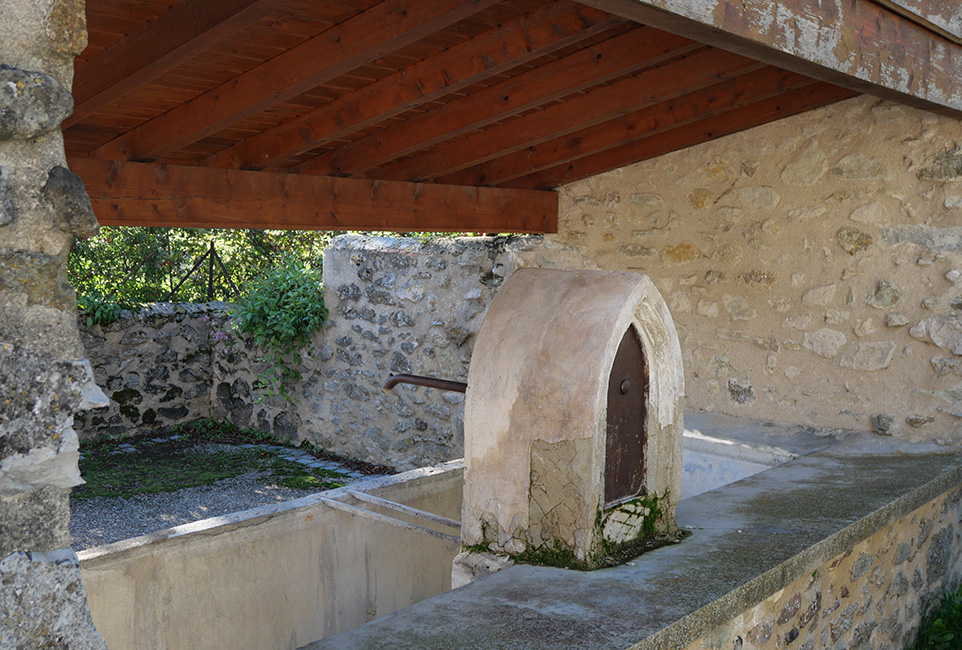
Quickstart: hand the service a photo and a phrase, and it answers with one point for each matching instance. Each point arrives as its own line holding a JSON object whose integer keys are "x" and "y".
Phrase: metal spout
{"x": 430, "y": 382}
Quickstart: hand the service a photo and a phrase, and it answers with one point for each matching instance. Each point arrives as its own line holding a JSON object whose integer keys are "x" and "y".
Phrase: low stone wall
{"x": 871, "y": 596}
{"x": 395, "y": 306}
{"x": 155, "y": 366}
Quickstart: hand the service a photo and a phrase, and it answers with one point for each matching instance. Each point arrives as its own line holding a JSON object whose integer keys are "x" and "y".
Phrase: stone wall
{"x": 395, "y": 306}
{"x": 872, "y": 596}
{"x": 813, "y": 266}
{"x": 403, "y": 306}
{"x": 43, "y": 206}
{"x": 155, "y": 367}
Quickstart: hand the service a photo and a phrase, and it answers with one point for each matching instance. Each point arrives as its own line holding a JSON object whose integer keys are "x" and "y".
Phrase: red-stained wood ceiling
{"x": 393, "y": 115}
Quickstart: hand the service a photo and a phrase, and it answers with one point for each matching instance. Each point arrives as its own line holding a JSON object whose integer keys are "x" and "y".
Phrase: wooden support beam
{"x": 160, "y": 45}
{"x": 622, "y": 55}
{"x": 859, "y": 44}
{"x": 703, "y": 68}
{"x": 516, "y": 43}
{"x": 688, "y": 108}
{"x": 143, "y": 194}
{"x": 731, "y": 121}
{"x": 380, "y": 30}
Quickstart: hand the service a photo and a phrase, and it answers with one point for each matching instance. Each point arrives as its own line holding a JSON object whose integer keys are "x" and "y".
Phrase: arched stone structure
{"x": 536, "y": 416}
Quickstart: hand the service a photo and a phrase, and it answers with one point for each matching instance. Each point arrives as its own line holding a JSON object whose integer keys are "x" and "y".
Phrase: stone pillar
{"x": 43, "y": 206}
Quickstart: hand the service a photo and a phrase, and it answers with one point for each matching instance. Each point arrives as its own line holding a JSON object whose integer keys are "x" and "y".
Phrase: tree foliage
{"x": 133, "y": 265}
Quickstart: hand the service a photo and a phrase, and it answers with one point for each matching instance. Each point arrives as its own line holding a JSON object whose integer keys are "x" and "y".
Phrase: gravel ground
{"x": 103, "y": 520}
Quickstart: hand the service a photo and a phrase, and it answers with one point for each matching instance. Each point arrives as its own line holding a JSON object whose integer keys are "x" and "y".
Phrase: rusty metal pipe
{"x": 430, "y": 382}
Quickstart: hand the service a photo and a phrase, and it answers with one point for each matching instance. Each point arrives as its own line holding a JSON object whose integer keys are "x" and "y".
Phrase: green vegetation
{"x": 148, "y": 465}
{"x": 99, "y": 311}
{"x": 556, "y": 554}
{"x": 281, "y": 312}
{"x": 135, "y": 265}
{"x": 139, "y": 265}
{"x": 941, "y": 628}
{"x": 284, "y": 307}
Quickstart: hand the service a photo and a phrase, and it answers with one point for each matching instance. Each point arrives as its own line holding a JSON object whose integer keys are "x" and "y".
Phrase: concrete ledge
{"x": 749, "y": 540}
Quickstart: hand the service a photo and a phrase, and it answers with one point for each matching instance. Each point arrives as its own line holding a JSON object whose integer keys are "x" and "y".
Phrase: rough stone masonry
{"x": 813, "y": 266}
{"x": 43, "y": 206}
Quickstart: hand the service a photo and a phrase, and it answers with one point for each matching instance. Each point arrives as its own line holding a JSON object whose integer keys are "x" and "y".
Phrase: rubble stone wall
{"x": 154, "y": 365}
{"x": 396, "y": 305}
{"x": 813, "y": 266}
{"x": 43, "y": 206}
{"x": 872, "y": 596}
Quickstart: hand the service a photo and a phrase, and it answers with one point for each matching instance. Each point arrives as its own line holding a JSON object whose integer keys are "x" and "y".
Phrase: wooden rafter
{"x": 175, "y": 36}
{"x": 731, "y": 121}
{"x": 423, "y": 114}
{"x": 556, "y": 26}
{"x": 380, "y": 30}
{"x": 613, "y": 58}
{"x": 690, "y": 73}
{"x": 744, "y": 89}
{"x": 143, "y": 194}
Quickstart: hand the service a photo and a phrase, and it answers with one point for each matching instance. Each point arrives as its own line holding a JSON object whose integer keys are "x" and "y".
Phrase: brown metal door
{"x": 627, "y": 435}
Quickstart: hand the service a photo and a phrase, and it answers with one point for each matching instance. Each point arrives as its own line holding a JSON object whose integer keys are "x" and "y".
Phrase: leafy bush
{"x": 281, "y": 312}
{"x": 99, "y": 311}
{"x": 284, "y": 308}
{"x": 941, "y": 628}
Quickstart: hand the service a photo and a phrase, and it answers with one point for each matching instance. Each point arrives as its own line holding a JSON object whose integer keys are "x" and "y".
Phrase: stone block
{"x": 853, "y": 240}
{"x": 34, "y": 520}
{"x": 32, "y": 104}
{"x": 943, "y": 166}
{"x": 824, "y": 342}
{"x": 819, "y": 296}
{"x": 42, "y": 395}
{"x": 943, "y": 331}
{"x": 868, "y": 357}
{"x": 68, "y": 199}
{"x": 43, "y": 603}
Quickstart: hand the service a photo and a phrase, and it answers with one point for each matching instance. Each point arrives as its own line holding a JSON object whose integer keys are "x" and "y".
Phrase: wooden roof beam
{"x": 380, "y": 30}
{"x": 736, "y": 119}
{"x": 859, "y": 44}
{"x": 637, "y": 49}
{"x": 516, "y": 43}
{"x": 143, "y": 194}
{"x": 183, "y": 31}
{"x": 697, "y": 70}
{"x": 750, "y": 87}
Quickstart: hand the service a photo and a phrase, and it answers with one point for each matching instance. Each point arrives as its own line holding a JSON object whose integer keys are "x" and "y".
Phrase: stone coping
{"x": 749, "y": 539}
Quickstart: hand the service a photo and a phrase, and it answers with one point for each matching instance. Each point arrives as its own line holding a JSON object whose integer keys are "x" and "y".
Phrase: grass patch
{"x": 195, "y": 454}
{"x": 941, "y": 628}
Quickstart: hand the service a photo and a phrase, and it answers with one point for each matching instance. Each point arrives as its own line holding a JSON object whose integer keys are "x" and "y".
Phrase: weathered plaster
{"x": 536, "y": 408}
